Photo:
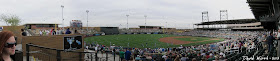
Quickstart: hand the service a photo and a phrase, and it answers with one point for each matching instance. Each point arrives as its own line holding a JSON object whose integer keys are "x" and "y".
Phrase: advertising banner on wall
{"x": 76, "y": 23}
{"x": 72, "y": 43}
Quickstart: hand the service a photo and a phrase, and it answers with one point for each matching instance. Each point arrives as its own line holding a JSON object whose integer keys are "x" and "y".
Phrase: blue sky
{"x": 177, "y": 13}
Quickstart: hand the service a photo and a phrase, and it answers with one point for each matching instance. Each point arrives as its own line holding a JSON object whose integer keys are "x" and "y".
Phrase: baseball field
{"x": 150, "y": 40}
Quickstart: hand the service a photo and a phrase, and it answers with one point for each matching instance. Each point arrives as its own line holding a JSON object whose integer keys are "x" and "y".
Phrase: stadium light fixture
{"x": 127, "y": 21}
{"x": 62, "y": 17}
{"x": 145, "y": 23}
{"x": 205, "y": 17}
{"x": 223, "y": 15}
{"x": 87, "y": 19}
{"x": 166, "y": 27}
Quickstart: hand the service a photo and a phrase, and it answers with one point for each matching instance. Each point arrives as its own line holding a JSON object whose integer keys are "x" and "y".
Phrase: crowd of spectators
{"x": 236, "y": 42}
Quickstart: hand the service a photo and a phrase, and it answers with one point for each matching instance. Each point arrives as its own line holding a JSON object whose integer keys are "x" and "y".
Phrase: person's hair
{"x": 4, "y": 36}
{"x": 76, "y": 31}
{"x": 271, "y": 33}
{"x": 22, "y": 30}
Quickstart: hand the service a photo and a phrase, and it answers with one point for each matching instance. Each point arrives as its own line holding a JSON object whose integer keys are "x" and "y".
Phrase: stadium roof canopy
{"x": 261, "y": 7}
{"x": 234, "y": 21}
{"x": 39, "y": 23}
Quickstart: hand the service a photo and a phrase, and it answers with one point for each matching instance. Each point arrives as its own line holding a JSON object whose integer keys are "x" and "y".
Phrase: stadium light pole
{"x": 145, "y": 22}
{"x": 166, "y": 26}
{"x": 221, "y": 17}
{"x": 62, "y": 17}
{"x": 127, "y": 21}
{"x": 87, "y": 19}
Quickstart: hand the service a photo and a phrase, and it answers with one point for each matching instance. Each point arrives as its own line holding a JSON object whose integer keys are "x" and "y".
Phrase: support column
{"x": 275, "y": 7}
{"x": 276, "y": 15}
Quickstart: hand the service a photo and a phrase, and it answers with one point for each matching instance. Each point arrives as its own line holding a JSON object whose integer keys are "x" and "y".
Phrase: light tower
{"x": 223, "y": 15}
{"x": 62, "y": 17}
{"x": 87, "y": 19}
{"x": 127, "y": 21}
{"x": 145, "y": 23}
{"x": 205, "y": 17}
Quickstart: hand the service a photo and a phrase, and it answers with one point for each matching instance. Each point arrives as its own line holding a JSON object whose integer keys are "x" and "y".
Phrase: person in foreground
{"x": 7, "y": 45}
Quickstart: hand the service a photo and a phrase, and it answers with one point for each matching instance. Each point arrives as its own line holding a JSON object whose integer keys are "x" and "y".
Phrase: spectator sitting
{"x": 138, "y": 58}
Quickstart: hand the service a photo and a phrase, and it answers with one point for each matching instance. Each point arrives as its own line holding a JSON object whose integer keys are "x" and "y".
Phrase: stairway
{"x": 30, "y": 33}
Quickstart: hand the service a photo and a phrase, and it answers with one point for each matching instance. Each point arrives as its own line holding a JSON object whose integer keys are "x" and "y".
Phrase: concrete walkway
{"x": 102, "y": 57}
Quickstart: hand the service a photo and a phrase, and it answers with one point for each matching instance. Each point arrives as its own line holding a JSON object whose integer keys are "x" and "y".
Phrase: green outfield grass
{"x": 138, "y": 40}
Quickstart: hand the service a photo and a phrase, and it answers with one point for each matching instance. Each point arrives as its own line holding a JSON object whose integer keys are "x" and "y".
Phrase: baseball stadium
{"x": 150, "y": 40}
{"x": 245, "y": 39}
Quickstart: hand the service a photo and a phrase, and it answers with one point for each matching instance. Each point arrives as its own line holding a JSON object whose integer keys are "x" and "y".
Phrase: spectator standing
{"x": 60, "y": 31}
{"x": 44, "y": 32}
{"x": 68, "y": 31}
{"x": 47, "y": 32}
{"x": 122, "y": 55}
{"x": 76, "y": 32}
{"x": 86, "y": 47}
{"x": 270, "y": 39}
{"x": 127, "y": 55}
{"x": 41, "y": 33}
{"x": 53, "y": 32}
{"x": 263, "y": 39}
{"x": 23, "y": 33}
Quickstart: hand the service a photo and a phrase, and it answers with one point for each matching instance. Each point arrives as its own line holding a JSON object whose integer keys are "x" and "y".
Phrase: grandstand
{"x": 268, "y": 13}
{"x": 236, "y": 24}
{"x": 150, "y": 27}
{"x": 109, "y": 30}
{"x": 142, "y": 30}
